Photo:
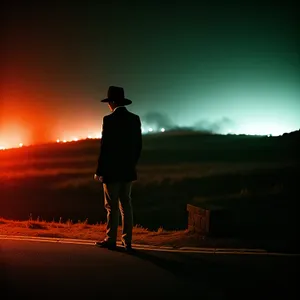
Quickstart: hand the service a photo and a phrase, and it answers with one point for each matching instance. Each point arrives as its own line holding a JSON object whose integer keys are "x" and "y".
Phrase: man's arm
{"x": 104, "y": 145}
{"x": 139, "y": 143}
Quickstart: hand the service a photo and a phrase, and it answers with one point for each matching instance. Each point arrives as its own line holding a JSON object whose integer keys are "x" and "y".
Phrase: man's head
{"x": 112, "y": 105}
{"x": 116, "y": 97}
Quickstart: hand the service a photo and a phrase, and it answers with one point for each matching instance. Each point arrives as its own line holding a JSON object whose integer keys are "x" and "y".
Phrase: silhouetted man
{"x": 121, "y": 146}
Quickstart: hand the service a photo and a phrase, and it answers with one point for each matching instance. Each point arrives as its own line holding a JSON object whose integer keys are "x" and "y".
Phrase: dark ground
{"x": 59, "y": 271}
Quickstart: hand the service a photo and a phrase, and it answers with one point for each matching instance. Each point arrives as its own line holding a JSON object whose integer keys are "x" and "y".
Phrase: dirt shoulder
{"x": 176, "y": 239}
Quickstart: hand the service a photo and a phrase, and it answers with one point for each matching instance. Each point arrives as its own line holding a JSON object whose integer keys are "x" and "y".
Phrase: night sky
{"x": 223, "y": 65}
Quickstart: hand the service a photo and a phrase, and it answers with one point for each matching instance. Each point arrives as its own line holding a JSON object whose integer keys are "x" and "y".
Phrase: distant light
{"x": 2, "y": 148}
{"x": 20, "y": 145}
{"x": 150, "y": 129}
{"x": 89, "y": 137}
{"x": 64, "y": 141}
{"x": 57, "y": 141}
{"x": 162, "y": 130}
{"x": 75, "y": 139}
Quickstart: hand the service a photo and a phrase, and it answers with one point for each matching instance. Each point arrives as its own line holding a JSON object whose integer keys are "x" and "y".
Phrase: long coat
{"x": 121, "y": 146}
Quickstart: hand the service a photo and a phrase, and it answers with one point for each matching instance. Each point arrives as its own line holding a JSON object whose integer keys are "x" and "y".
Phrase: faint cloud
{"x": 223, "y": 125}
{"x": 157, "y": 120}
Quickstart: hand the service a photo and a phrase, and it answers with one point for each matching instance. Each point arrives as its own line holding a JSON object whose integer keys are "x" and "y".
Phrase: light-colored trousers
{"x": 117, "y": 197}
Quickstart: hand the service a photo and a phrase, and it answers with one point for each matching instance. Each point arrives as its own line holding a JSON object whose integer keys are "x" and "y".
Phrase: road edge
{"x": 210, "y": 250}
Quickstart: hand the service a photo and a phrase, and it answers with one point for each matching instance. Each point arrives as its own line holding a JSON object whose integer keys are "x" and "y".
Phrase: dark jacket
{"x": 121, "y": 146}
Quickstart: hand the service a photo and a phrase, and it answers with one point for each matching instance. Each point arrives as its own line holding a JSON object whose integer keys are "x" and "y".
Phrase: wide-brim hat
{"x": 116, "y": 94}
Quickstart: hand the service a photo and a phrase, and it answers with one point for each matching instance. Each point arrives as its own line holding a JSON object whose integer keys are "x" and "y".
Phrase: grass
{"x": 83, "y": 230}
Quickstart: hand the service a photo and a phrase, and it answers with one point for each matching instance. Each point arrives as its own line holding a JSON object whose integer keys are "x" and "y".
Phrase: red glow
{"x": 19, "y": 130}
{"x": 31, "y": 113}
{"x": 13, "y": 142}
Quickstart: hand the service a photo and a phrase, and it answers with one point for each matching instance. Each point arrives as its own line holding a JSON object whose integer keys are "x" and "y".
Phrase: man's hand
{"x": 98, "y": 178}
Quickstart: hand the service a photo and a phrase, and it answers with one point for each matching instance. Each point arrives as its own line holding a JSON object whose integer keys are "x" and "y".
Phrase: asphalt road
{"x": 43, "y": 270}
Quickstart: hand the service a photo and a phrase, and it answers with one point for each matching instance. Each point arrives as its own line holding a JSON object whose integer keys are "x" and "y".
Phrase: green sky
{"x": 198, "y": 64}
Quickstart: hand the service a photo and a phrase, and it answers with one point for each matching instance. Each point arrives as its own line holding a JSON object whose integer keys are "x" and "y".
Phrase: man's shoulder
{"x": 130, "y": 115}
{"x": 108, "y": 117}
{"x": 127, "y": 113}
{"x": 135, "y": 116}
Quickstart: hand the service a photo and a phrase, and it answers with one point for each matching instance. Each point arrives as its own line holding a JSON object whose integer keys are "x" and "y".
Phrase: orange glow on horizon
{"x": 10, "y": 143}
{"x": 28, "y": 116}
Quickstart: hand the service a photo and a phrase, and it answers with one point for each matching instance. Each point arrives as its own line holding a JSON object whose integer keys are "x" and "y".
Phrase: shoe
{"x": 127, "y": 247}
{"x": 106, "y": 244}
